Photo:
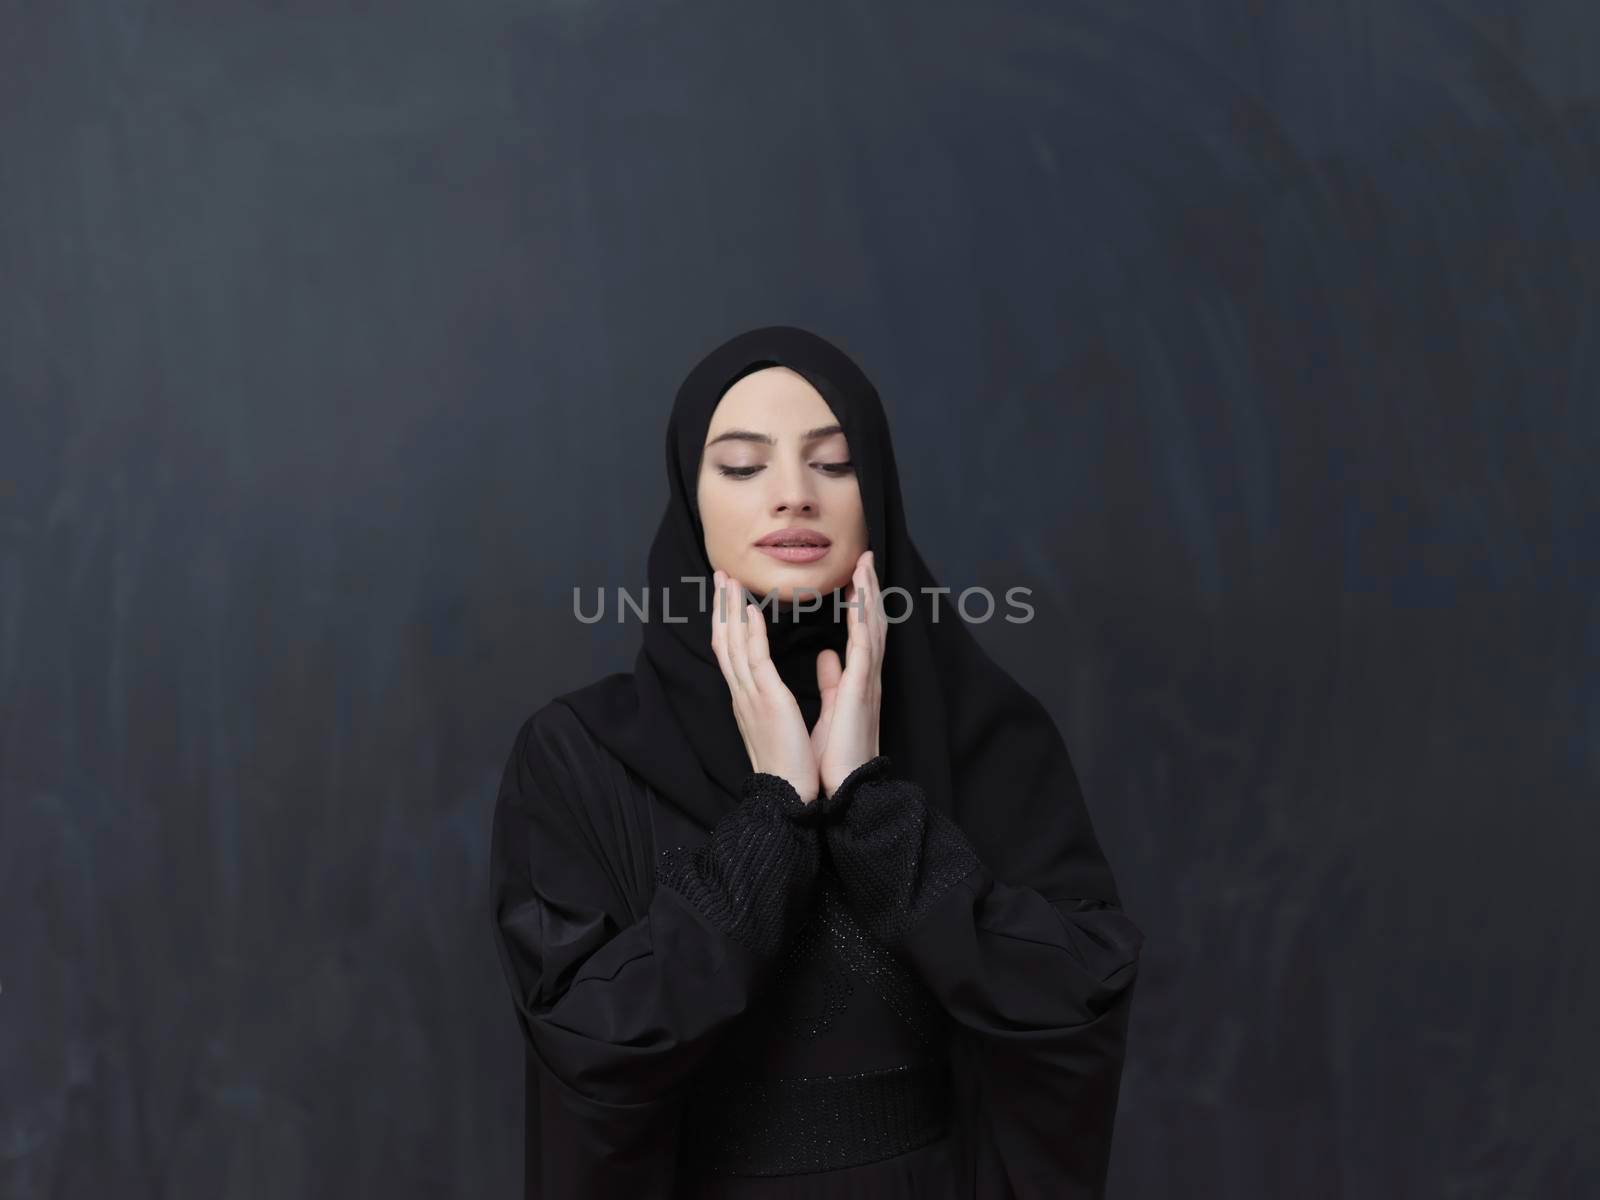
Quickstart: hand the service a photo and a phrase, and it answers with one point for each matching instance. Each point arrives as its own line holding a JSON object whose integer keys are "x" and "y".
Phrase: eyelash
{"x": 745, "y": 472}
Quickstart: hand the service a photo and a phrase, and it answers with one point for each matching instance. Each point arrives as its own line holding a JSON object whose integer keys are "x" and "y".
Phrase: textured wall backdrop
{"x": 336, "y": 341}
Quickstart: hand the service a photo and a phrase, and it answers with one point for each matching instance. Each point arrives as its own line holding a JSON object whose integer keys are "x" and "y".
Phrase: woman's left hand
{"x": 846, "y": 733}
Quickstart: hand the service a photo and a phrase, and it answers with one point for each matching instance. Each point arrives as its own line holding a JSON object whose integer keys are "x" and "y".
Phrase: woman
{"x": 809, "y": 903}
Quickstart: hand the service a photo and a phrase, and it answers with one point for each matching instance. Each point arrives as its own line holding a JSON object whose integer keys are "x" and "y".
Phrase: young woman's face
{"x": 775, "y": 460}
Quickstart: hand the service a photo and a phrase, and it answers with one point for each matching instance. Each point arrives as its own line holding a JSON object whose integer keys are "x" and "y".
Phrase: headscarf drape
{"x": 983, "y": 749}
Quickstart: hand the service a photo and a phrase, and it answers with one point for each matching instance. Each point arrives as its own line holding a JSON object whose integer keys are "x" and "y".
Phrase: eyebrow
{"x": 747, "y": 435}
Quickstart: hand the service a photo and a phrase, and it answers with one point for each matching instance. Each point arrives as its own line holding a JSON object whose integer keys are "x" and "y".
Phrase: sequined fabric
{"x": 863, "y": 956}
{"x": 738, "y": 1124}
{"x": 895, "y": 855}
{"x": 754, "y": 876}
{"x": 812, "y": 986}
{"x": 879, "y": 857}
{"x": 788, "y": 1126}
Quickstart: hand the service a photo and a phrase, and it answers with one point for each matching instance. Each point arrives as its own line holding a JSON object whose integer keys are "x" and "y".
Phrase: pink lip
{"x": 805, "y": 545}
{"x": 795, "y": 554}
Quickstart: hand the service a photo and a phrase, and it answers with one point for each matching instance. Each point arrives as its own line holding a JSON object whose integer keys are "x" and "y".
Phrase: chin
{"x": 809, "y": 581}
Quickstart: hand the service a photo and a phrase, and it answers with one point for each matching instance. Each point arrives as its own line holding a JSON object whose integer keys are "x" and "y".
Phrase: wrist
{"x": 778, "y": 794}
{"x": 836, "y": 800}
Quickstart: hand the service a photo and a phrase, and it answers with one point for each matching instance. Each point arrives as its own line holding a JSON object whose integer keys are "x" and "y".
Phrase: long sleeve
{"x": 619, "y": 1006}
{"x": 1040, "y": 986}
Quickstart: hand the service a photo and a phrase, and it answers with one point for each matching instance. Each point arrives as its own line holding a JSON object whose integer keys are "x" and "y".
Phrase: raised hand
{"x": 769, "y": 717}
{"x": 846, "y": 733}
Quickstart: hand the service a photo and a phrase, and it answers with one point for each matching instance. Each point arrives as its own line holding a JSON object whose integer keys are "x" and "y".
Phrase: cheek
{"x": 722, "y": 515}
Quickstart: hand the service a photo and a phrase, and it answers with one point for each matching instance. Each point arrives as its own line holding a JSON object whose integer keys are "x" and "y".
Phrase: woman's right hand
{"x": 769, "y": 717}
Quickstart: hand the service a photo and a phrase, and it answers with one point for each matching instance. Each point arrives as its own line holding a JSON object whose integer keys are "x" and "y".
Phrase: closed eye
{"x": 843, "y": 468}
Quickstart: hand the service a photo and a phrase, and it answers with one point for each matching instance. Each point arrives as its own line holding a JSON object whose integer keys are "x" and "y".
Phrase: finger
{"x": 719, "y": 644}
{"x": 738, "y": 626}
{"x": 825, "y": 711}
{"x": 856, "y": 647}
{"x": 716, "y": 615}
{"x": 819, "y": 731}
{"x": 880, "y": 628}
{"x": 828, "y": 671}
{"x": 719, "y": 634}
{"x": 757, "y": 651}
{"x": 878, "y": 618}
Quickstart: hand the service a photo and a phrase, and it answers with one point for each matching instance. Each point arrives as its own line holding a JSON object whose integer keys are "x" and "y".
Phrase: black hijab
{"x": 983, "y": 749}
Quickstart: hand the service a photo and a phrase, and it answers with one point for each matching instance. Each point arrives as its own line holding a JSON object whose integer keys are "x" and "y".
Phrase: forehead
{"x": 772, "y": 400}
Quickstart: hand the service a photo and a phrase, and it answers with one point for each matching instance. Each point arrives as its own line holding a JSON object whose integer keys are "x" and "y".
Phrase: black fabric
{"x": 753, "y": 879}
{"x": 894, "y": 855}
{"x": 1040, "y": 989}
{"x": 964, "y": 853}
{"x": 953, "y": 720}
{"x": 818, "y": 1123}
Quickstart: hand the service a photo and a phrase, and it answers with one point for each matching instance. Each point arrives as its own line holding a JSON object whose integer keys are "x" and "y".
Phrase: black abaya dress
{"x": 826, "y": 1000}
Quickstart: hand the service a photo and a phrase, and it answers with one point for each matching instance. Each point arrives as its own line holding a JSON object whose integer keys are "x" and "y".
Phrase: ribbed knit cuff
{"x": 895, "y": 856}
{"x": 754, "y": 877}
{"x": 776, "y": 794}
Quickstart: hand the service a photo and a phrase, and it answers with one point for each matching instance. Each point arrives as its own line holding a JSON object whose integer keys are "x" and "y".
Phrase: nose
{"x": 795, "y": 495}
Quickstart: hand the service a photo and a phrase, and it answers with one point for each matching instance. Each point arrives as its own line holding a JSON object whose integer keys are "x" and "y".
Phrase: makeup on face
{"x": 796, "y": 544}
{"x": 778, "y": 499}
{"x": 835, "y": 464}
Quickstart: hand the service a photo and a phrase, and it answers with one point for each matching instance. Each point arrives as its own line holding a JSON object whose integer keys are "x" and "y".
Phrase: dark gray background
{"x": 1259, "y": 339}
